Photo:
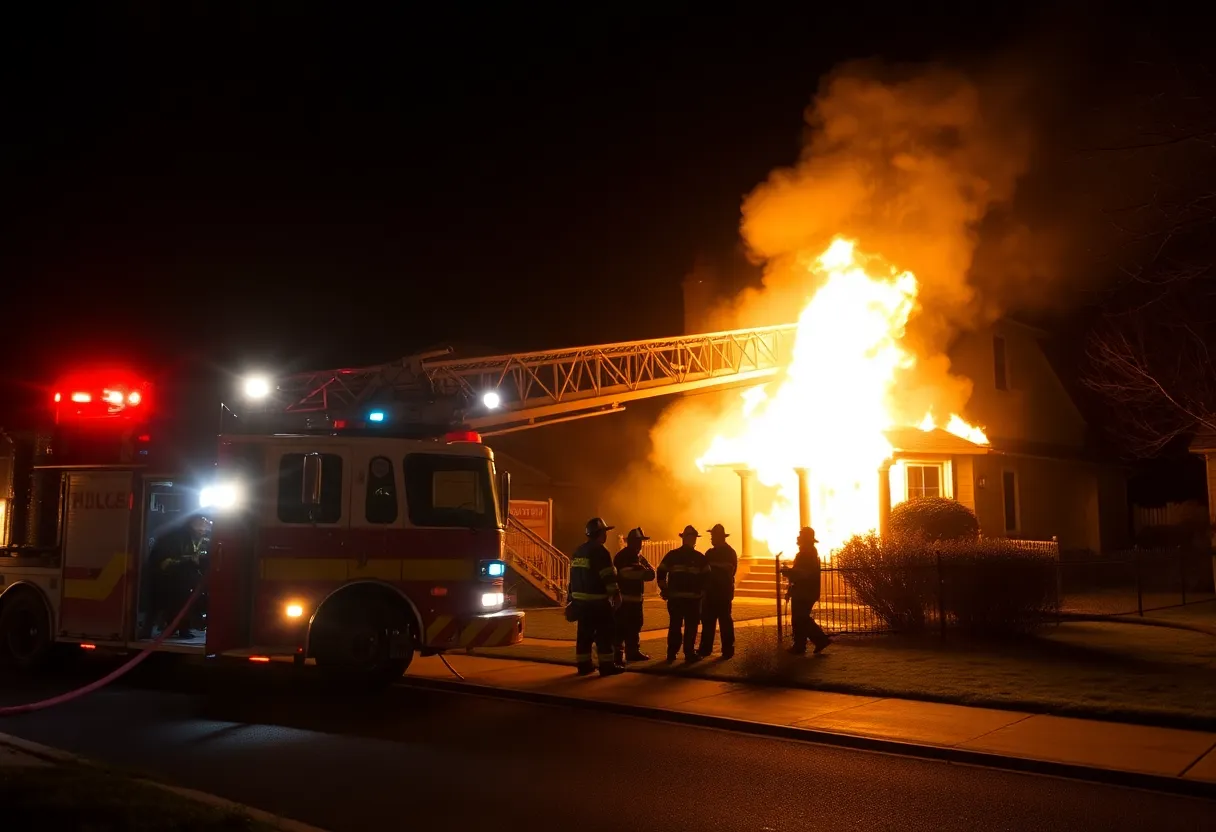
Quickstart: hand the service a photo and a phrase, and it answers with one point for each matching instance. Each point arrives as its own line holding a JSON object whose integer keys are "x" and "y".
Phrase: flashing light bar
{"x": 463, "y": 436}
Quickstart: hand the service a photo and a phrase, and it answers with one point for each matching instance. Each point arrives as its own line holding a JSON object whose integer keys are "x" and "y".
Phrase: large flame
{"x": 831, "y": 409}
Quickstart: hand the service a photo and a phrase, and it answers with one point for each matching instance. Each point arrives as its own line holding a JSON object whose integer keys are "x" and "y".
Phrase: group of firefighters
{"x": 606, "y": 594}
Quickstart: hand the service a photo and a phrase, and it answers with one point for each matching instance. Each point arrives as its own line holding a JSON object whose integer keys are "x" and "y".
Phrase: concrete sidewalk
{"x": 1135, "y": 755}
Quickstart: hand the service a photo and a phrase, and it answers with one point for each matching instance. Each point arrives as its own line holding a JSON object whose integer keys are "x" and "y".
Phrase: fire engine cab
{"x": 356, "y": 546}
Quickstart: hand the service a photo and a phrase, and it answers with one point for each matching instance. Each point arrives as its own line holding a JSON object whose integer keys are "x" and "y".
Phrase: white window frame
{"x": 945, "y": 472}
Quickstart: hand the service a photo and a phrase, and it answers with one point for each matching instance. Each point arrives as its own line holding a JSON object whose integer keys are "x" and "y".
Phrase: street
{"x": 424, "y": 759}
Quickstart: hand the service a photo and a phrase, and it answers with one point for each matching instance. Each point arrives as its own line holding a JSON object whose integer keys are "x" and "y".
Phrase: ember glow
{"x": 829, "y": 411}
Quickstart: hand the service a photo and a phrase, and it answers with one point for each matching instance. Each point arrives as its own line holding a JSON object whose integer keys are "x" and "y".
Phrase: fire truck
{"x": 358, "y": 517}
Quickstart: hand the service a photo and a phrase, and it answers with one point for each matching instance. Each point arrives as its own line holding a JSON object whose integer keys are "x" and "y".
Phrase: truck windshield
{"x": 449, "y": 491}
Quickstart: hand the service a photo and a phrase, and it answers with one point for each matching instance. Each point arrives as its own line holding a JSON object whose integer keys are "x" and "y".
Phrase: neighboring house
{"x": 1043, "y": 475}
{"x": 1204, "y": 445}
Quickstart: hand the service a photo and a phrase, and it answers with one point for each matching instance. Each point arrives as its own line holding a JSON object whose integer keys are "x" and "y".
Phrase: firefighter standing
{"x": 723, "y": 563}
{"x": 804, "y": 577}
{"x": 594, "y": 595}
{"x": 682, "y": 585}
{"x": 632, "y": 572}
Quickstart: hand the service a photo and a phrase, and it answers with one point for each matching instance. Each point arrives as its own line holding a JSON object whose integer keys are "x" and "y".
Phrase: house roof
{"x": 937, "y": 441}
{"x": 1204, "y": 442}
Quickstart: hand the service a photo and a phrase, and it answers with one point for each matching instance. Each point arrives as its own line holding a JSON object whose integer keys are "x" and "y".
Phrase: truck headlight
{"x": 492, "y": 599}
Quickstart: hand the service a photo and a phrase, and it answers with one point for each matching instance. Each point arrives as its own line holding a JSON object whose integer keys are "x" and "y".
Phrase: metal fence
{"x": 932, "y": 597}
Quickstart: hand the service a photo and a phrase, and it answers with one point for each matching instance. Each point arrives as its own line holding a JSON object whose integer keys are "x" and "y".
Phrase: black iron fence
{"x": 937, "y": 595}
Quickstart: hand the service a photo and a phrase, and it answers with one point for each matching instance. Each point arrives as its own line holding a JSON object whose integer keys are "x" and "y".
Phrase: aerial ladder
{"x": 434, "y": 392}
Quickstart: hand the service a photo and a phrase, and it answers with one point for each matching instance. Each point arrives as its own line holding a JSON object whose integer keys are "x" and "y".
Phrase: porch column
{"x": 745, "y": 504}
{"x": 884, "y": 499}
{"x": 804, "y": 497}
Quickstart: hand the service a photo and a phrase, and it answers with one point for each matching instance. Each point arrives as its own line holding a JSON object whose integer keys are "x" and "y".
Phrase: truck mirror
{"x": 310, "y": 494}
{"x": 504, "y": 494}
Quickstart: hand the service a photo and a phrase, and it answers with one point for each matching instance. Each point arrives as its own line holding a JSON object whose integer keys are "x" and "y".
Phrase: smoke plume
{"x": 917, "y": 165}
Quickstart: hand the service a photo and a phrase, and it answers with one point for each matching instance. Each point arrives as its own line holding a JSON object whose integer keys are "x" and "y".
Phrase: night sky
{"x": 302, "y": 189}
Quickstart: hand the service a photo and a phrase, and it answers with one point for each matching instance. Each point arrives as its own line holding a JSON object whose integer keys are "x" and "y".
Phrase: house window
{"x": 1000, "y": 366}
{"x": 380, "y": 505}
{"x": 1009, "y": 490}
{"x": 292, "y": 505}
{"x": 924, "y": 481}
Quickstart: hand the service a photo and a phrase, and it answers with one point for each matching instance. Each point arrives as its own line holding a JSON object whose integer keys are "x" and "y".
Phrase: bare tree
{"x": 1153, "y": 363}
{"x": 1149, "y": 349}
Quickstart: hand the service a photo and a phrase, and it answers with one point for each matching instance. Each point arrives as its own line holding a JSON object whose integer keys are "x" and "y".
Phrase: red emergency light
{"x": 101, "y": 395}
{"x": 463, "y": 436}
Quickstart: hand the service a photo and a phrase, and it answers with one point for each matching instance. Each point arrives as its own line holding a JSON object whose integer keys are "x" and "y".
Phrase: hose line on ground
{"x": 444, "y": 659}
{"x": 130, "y": 664}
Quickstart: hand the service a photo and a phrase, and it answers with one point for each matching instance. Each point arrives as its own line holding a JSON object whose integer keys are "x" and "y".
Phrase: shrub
{"x": 988, "y": 587}
{"x": 895, "y": 576}
{"x": 934, "y": 518}
{"x": 993, "y": 588}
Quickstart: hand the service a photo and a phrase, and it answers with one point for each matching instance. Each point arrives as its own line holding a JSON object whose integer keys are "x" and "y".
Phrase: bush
{"x": 934, "y": 518}
{"x": 993, "y": 588}
{"x": 987, "y": 587}
{"x": 896, "y": 577}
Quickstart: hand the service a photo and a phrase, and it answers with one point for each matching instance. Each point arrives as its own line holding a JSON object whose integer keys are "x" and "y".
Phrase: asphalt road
{"x": 411, "y": 758}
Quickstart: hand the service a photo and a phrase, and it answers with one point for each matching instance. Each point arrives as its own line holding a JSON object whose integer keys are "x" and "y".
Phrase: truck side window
{"x": 450, "y": 491}
{"x": 381, "y": 502}
{"x": 292, "y": 508}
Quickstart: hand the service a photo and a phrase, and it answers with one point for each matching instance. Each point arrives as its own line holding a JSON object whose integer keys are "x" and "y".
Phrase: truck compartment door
{"x": 97, "y": 564}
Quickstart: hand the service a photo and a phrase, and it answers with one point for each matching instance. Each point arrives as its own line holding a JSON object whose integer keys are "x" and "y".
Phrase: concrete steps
{"x": 759, "y": 579}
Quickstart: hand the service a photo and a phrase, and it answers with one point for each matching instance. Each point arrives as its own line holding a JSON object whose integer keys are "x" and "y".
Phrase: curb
{"x": 58, "y": 755}
{"x": 940, "y": 753}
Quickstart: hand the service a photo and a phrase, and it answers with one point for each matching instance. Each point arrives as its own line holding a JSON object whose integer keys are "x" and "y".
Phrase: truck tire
{"x": 366, "y": 643}
{"x": 25, "y": 631}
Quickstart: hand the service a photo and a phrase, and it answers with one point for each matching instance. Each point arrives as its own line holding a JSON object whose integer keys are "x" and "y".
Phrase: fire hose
{"x": 126, "y": 667}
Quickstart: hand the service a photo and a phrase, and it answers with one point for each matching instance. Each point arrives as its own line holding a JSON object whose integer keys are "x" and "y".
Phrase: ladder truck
{"x": 358, "y": 517}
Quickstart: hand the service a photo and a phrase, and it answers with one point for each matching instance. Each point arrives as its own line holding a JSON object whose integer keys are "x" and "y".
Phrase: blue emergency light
{"x": 376, "y": 416}
{"x": 493, "y": 569}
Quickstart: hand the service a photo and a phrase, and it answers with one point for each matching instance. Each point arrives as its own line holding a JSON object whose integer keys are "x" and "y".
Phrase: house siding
{"x": 964, "y": 481}
{"x": 1036, "y": 407}
{"x": 1055, "y": 498}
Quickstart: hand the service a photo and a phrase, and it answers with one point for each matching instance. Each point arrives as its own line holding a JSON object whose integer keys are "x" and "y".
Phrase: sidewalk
{"x": 1161, "y": 758}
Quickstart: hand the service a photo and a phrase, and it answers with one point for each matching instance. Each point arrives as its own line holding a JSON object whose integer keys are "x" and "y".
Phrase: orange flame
{"x": 830, "y": 411}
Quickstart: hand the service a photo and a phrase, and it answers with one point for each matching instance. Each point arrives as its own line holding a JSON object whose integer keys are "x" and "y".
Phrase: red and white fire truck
{"x": 358, "y": 518}
{"x": 355, "y": 545}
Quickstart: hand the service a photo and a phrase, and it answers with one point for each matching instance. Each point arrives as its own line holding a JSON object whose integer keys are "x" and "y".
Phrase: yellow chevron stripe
{"x": 101, "y": 587}
{"x": 502, "y": 635}
{"x": 436, "y": 627}
{"x": 384, "y": 569}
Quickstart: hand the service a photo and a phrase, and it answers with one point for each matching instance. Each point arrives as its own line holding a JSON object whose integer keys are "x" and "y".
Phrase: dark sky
{"x": 290, "y": 187}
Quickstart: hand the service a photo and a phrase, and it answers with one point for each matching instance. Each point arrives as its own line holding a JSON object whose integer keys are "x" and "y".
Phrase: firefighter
{"x": 178, "y": 560}
{"x": 594, "y": 597}
{"x": 804, "y": 577}
{"x": 633, "y": 572}
{"x": 723, "y": 563}
{"x": 682, "y": 584}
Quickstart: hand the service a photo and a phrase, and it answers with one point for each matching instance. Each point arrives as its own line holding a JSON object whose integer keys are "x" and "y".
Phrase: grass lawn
{"x": 1113, "y": 671}
{"x": 77, "y": 797}
{"x": 552, "y": 623}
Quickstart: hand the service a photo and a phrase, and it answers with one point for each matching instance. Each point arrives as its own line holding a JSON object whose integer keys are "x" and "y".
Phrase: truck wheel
{"x": 372, "y": 644}
{"x": 25, "y": 631}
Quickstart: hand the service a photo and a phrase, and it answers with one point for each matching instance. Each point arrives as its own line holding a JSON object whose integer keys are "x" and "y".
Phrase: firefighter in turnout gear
{"x": 594, "y": 596}
{"x": 632, "y": 572}
{"x": 723, "y": 563}
{"x": 682, "y": 584}
{"x": 804, "y": 577}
